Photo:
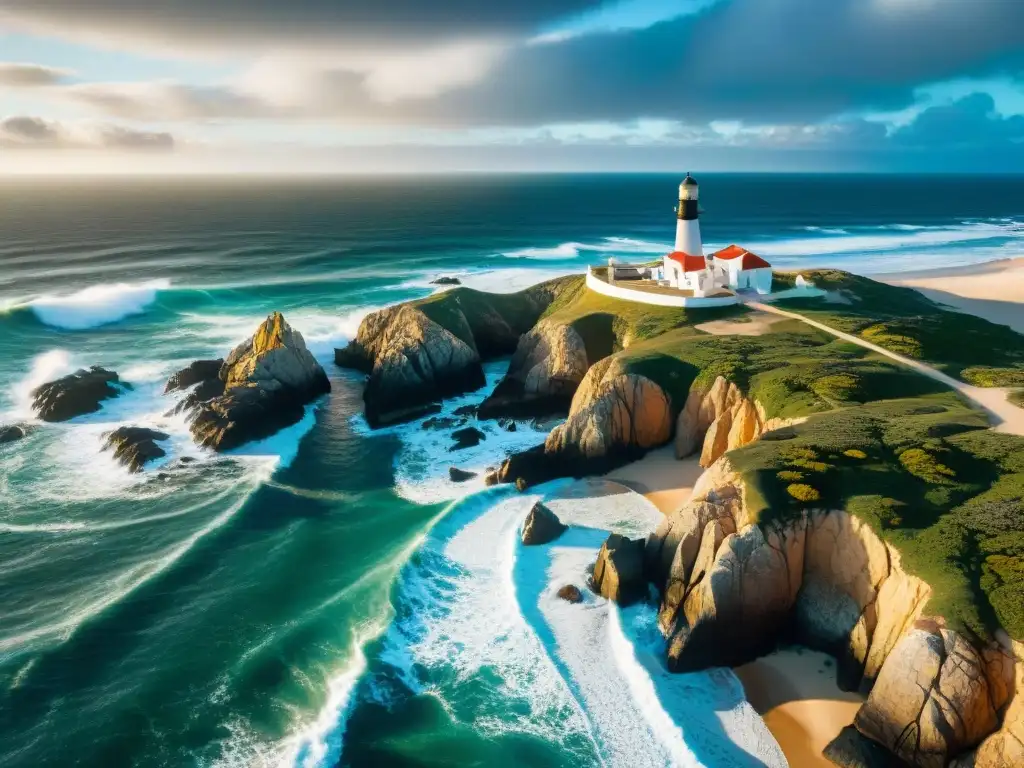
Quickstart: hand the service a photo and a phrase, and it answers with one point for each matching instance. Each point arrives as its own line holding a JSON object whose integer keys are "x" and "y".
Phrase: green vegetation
{"x": 1017, "y": 398}
{"x": 927, "y": 476}
{"x": 488, "y": 314}
{"x": 906, "y": 322}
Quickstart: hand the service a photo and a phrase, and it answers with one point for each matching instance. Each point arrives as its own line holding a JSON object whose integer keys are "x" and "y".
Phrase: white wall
{"x": 620, "y": 291}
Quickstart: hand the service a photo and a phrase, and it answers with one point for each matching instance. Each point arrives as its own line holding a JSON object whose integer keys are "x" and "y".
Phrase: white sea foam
{"x": 45, "y": 367}
{"x": 572, "y": 250}
{"x": 97, "y": 305}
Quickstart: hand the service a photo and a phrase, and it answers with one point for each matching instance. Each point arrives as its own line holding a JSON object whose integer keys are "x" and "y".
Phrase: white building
{"x": 687, "y": 269}
{"x": 741, "y": 270}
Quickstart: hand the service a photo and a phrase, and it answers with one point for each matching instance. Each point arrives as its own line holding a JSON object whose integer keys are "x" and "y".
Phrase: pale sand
{"x": 665, "y": 480}
{"x": 795, "y": 691}
{"x": 753, "y": 324}
{"x": 994, "y": 291}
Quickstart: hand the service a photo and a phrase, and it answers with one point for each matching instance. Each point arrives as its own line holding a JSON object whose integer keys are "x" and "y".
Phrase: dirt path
{"x": 1006, "y": 417}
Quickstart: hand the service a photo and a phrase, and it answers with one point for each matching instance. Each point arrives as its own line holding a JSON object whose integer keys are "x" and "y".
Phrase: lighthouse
{"x": 687, "y": 224}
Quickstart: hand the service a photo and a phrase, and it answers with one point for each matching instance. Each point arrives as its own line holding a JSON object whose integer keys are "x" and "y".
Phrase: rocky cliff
{"x": 732, "y": 587}
{"x": 718, "y": 419}
{"x": 420, "y": 352}
{"x": 615, "y": 416}
{"x": 412, "y": 362}
{"x": 548, "y": 365}
{"x": 265, "y": 383}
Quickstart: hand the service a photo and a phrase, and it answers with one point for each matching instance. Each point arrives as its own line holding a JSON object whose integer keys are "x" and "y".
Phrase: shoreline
{"x": 991, "y": 290}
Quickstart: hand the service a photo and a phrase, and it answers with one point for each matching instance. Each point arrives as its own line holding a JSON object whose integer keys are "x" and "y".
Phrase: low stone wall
{"x": 615, "y": 291}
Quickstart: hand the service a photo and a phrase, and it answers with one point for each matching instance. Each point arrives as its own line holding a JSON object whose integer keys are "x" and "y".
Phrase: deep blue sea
{"x": 327, "y": 596}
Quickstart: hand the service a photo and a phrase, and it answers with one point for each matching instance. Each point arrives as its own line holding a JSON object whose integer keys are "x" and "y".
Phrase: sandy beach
{"x": 994, "y": 291}
{"x": 665, "y": 480}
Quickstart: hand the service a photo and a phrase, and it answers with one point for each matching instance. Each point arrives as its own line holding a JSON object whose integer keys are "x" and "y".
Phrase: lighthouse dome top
{"x": 689, "y": 181}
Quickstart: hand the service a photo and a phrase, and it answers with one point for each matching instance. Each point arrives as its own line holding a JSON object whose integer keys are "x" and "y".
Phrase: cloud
{"x": 784, "y": 61}
{"x": 969, "y": 123}
{"x": 26, "y": 132}
{"x": 219, "y": 25}
{"x": 24, "y": 75}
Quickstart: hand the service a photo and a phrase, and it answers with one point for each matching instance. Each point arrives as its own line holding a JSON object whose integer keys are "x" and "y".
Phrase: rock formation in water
{"x": 12, "y": 433}
{"x": 261, "y": 387}
{"x": 467, "y": 437}
{"x": 541, "y": 526}
{"x": 732, "y": 587}
{"x": 546, "y": 369}
{"x": 194, "y": 373}
{"x": 457, "y": 475}
{"x": 619, "y": 570}
{"x": 135, "y": 446}
{"x": 77, "y": 394}
{"x": 420, "y": 352}
{"x": 445, "y": 280}
{"x": 571, "y": 594}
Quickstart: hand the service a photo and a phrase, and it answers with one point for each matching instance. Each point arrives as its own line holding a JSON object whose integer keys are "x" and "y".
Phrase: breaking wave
{"x": 96, "y": 305}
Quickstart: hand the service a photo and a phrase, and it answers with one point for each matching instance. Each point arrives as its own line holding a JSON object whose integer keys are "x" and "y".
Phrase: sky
{"x": 407, "y": 86}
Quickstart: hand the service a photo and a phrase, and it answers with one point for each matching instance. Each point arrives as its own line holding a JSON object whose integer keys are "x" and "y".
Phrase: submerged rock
{"x": 442, "y": 422}
{"x": 457, "y": 475}
{"x": 76, "y": 394}
{"x": 465, "y": 410}
{"x": 12, "y": 433}
{"x": 619, "y": 571}
{"x": 571, "y": 594}
{"x": 135, "y": 446}
{"x": 541, "y": 526}
{"x": 466, "y": 438}
{"x": 192, "y": 374}
{"x": 267, "y": 382}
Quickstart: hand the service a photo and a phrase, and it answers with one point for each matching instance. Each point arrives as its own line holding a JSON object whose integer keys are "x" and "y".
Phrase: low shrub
{"x": 803, "y": 492}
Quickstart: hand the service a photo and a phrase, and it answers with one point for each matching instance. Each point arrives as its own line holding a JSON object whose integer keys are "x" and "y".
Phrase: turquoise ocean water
{"x": 311, "y": 600}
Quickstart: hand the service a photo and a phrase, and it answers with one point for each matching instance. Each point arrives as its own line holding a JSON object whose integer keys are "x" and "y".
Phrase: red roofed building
{"x": 687, "y": 272}
{"x": 740, "y": 270}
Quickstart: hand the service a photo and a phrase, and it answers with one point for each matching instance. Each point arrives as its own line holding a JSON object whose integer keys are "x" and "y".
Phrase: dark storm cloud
{"x": 755, "y": 60}
{"x": 971, "y": 122}
{"x": 230, "y": 22}
{"x": 27, "y": 132}
{"x": 22, "y": 75}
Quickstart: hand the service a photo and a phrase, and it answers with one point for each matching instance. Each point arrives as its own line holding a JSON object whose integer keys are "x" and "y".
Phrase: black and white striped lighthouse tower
{"x": 688, "y": 224}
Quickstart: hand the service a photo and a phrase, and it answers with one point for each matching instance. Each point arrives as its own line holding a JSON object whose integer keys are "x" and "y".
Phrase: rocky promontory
{"x": 260, "y": 388}
{"x": 76, "y": 394}
{"x": 420, "y": 352}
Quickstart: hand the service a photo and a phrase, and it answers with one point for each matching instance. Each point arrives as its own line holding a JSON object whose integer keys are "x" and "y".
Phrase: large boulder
{"x": 546, "y": 369}
{"x": 931, "y": 700}
{"x": 541, "y": 526}
{"x": 77, "y": 394}
{"x": 135, "y": 446}
{"x": 412, "y": 361}
{"x": 619, "y": 570}
{"x": 267, "y": 381}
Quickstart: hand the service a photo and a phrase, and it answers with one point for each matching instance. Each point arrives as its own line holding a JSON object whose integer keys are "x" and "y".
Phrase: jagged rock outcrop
{"x": 549, "y": 363}
{"x": 267, "y": 380}
{"x": 412, "y": 362}
{"x": 731, "y": 587}
{"x": 134, "y": 447}
{"x": 613, "y": 412}
{"x": 719, "y": 419}
{"x": 619, "y": 570}
{"x": 445, "y": 280}
{"x": 76, "y": 394}
{"x": 417, "y": 353}
{"x": 615, "y": 417}
{"x": 194, "y": 373}
{"x": 541, "y": 526}
{"x": 932, "y": 698}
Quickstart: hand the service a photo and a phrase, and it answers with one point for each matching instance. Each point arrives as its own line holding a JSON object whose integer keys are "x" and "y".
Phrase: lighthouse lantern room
{"x": 688, "y": 238}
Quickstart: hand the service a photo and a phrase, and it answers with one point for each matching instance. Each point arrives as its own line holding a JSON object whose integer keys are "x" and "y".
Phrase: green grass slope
{"x": 905, "y": 321}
